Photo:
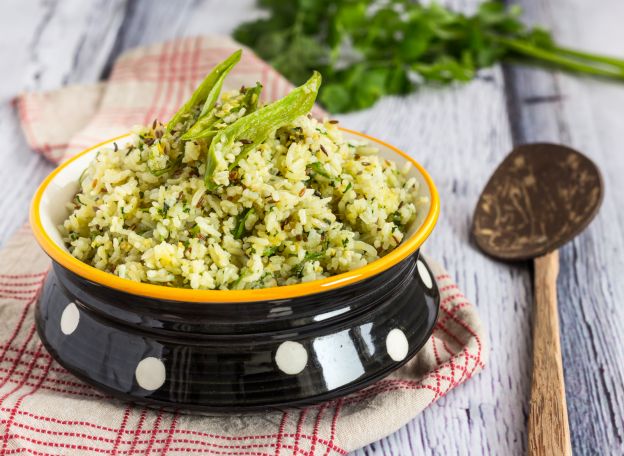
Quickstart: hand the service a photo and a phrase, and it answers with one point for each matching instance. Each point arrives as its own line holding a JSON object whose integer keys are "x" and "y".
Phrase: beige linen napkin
{"x": 45, "y": 410}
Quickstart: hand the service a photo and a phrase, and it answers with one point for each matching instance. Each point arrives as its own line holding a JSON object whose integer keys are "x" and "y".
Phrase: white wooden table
{"x": 460, "y": 134}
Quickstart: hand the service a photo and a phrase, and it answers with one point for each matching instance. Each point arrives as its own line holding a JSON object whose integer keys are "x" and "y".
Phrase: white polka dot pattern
{"x": 397, "y": 345}
{"x": 424, "y": 274}
{"x": 70, "y": 319}
{"x": 150, "y": 373}
{"x": 291, "y": 357}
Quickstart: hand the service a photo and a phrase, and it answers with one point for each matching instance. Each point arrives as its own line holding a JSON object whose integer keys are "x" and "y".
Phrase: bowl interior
{"x": 62, "y": 188}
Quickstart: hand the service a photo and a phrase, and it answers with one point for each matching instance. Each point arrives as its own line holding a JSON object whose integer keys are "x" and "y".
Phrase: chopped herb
{"x": 74, "y": 236}
{"x": 163, "y": 211}
{"x": 260, "y": 282}
{"x": 270, "y": 251}
{"x": 349, "y": 186}
{"x": 77, "y": 198}
{"x": 312, "y": 256}
{"x": 396, "y": 219}
{"x": 239, "y": 231}
{"x": 237, "y": 281}
{"x": 319, "y": 169}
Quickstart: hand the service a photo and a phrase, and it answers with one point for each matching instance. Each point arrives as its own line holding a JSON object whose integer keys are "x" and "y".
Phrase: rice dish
{"x": 204, "y": 208}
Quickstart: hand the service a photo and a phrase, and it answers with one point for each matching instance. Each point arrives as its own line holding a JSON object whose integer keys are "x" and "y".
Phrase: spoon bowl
{"x": 540, "y": 197}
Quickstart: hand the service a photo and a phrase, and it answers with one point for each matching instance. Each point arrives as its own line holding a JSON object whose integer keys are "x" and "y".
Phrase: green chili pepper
{"x": 204, "y": 127}
{"x": 207, "y": 92}
{"x": 240, "y": 224}
{"x": 257, "y": 126}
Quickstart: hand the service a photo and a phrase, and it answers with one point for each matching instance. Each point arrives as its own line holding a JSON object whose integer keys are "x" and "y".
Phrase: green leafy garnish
{"x": 206, "y": 93}
{"x": 366, "y": 48}
{"x": 240, "y": 230}
{"x": 254, "y": 128}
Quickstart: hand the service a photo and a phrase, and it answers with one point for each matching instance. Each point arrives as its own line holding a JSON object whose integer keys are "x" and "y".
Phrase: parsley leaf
{"x": 366, "y": 49}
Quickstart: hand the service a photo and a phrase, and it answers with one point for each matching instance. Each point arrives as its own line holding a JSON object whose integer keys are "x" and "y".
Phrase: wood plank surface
{"x": 585, "y": 114}
{"x": 459, "y": 134}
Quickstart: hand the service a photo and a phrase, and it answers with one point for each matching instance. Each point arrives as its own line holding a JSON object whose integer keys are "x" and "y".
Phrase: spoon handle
{"x": 549, "y": 432}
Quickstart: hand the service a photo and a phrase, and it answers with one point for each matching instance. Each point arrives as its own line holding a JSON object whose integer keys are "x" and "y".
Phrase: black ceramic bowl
{"x": 224, "y": 351}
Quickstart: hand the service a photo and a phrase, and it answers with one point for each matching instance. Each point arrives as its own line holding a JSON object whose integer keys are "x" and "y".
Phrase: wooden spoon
{"x": 540, "y": 197}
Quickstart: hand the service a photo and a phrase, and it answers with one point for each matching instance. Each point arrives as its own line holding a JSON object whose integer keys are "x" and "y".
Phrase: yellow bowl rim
{"x": 110, "y": 280}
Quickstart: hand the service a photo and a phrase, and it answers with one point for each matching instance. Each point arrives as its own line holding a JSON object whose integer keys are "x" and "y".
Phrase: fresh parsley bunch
{"x": 366, "y": 48}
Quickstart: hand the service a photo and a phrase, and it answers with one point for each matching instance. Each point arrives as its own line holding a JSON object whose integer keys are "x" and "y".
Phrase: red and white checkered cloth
{"x": 45, "y": 410}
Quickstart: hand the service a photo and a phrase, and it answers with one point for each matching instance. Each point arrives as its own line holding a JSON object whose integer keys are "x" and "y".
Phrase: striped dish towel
{"x": 45, "y": 410}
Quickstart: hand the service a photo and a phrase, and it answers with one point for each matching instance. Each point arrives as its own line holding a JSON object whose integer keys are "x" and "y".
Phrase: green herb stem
{"x": 591, "y": 57}
{"x": 549, "y": 56}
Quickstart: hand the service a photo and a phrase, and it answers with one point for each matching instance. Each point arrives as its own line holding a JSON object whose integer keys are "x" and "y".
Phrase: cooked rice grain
{"x": 305, "y": 204}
